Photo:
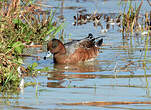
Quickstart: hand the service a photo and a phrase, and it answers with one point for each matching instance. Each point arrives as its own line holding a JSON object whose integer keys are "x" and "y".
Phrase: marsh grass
{"x": 130, "y": 18}
{"x": 145, "y": 65}
{"x": 132, "y": 21}
{"x": 21, "y": 23}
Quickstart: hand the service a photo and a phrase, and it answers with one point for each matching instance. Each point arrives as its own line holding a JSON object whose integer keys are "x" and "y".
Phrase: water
{"x": 120, "y": 72}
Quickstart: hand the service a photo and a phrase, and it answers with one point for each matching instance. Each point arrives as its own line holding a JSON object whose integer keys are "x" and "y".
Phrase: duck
{"x": 75, "y": 51}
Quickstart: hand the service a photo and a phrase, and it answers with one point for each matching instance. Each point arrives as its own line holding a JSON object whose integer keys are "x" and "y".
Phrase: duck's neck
{"x": 59, "y": 58}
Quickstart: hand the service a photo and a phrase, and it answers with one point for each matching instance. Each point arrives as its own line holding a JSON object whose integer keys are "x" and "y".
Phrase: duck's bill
{"x": 47, "y": 55}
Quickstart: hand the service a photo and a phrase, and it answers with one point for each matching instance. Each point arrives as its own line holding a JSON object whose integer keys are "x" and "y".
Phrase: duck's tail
{"x": 91, "y": 38}
{"x": 99, "y": 42}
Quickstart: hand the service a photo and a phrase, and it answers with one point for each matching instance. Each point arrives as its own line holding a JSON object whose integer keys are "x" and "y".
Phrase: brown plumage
{"x": 75, "y": 51}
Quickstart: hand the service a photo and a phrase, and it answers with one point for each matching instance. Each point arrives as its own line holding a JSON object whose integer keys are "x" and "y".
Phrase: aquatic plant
{"x": 131, "y": 20}
{"x": 21, "y": 23}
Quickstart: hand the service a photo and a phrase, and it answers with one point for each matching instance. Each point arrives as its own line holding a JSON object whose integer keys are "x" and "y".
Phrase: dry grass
{"x": 21, "y": 23}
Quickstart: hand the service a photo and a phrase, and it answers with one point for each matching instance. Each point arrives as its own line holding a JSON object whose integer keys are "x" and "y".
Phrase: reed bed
{"x": 21, "y": 23}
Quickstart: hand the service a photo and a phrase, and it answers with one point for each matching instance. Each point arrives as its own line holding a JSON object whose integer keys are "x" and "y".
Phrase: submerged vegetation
{"x": 21, "y": 23}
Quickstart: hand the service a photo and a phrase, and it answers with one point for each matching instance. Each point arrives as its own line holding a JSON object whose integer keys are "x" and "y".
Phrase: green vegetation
{"x": 130, "y": 19}
{"x": 133, "y": 22}
{"x": 21, "y": 22}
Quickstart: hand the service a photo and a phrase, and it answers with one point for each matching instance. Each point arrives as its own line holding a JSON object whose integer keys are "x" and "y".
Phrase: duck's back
{"x": 71, "y": 46}
{"x": 86, "y": 43}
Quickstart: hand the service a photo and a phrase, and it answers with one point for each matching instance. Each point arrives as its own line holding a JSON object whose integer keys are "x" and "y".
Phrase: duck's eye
{"x": 54, "y": 44}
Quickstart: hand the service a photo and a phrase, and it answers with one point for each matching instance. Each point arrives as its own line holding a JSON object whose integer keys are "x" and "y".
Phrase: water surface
{"x": 121, "y": 72}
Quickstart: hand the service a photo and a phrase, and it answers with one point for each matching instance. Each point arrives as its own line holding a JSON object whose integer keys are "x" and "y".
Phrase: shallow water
{"x": 121, "y": 72}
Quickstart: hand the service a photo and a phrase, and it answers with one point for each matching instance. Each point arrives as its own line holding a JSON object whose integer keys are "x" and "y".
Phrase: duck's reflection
{"x": 61, "y": 72}
{"x": 80, "y": 68}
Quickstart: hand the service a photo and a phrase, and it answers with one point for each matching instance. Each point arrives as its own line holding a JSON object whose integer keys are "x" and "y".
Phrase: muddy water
{"x": 120, "y": 73}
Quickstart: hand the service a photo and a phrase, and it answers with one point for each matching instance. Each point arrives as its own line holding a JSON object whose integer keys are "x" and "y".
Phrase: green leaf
{"x": 34, "y": 65}
{"x": 51, "y": 30}
{"x": 18, "y": 47}
{"x": 58, "y": 29}
{"x": 17, "y": 21}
